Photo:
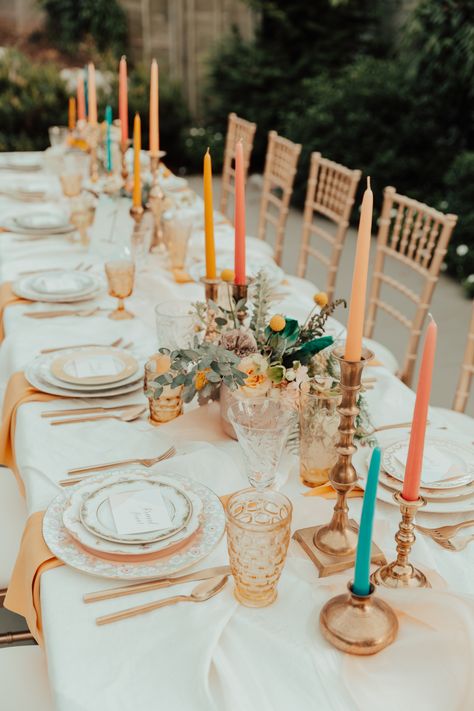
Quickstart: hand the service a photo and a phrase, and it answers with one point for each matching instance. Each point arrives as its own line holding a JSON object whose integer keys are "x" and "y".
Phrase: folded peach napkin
{"x": 327, "y": 492}
{"x": 7, "y": 298}
{"x": 17, "y": 393}
{"x": 34, "y": 559}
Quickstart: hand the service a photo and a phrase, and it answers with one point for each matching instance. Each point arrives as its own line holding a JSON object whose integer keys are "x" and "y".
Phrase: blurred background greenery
{"x": 395, "y": 100}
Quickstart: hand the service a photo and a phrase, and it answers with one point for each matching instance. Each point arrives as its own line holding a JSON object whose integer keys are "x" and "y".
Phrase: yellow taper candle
{"x": 355, "y": 322}
{"x": 137, "y": 145}
{"x": 209, "y": 219}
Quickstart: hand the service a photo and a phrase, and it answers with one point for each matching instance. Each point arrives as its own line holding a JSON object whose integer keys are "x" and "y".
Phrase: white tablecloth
{"x": 219, "y": 655}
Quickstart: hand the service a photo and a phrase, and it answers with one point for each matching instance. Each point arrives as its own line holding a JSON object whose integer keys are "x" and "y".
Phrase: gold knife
{"x": 89, "y": 410}
{"x": 156, "y": 584}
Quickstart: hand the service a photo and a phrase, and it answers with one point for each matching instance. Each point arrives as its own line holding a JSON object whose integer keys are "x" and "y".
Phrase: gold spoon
{"x": 124, "y": 417}
{"x": 202, "y": 592}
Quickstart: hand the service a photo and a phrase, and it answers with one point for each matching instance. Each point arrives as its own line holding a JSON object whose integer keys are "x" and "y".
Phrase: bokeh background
{"x": 386, "y": 86}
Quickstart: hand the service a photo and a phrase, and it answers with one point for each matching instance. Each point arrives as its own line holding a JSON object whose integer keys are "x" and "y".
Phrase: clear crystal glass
{"x": 258, "y": 534}
{"x": 261, "y": 426}
{"x": 175, "y": 324}
{"x": 319, "y": 422}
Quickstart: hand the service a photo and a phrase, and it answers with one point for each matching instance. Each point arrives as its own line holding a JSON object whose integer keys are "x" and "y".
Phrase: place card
{"x": 139, "y": 512}
{"x": 93, "y": 367}
{"x": 436, "y": 464}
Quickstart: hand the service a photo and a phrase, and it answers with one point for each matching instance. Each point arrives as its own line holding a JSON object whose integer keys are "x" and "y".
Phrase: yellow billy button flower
{"x": 277, "y": 323}
{"x": 228, "y": 275}
{"x": 201, "y": 379}
{"x": 321, "y": 299}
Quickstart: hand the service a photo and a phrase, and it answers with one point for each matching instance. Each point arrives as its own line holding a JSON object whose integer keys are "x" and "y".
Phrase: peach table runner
{"x": 7, "y": 298}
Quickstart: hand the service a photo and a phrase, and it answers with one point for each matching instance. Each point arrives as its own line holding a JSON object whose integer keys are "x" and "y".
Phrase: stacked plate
{"x": 61, "y": 286}
{"x": 447, "y": 480}
{"x": 41, "y": 223}
{"x": 20, "y": 162}
{"x": 86, "y": 372}
{"x": 82, "y": 530}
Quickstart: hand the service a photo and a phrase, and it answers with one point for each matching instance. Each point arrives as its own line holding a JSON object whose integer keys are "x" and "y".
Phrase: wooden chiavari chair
{"x": 467, "y": 371}
{"x": 414, "y": 236}
{"x": 278, "y": 178}
{"x": 237, "y": 128}
{"x": 330, "y": 194}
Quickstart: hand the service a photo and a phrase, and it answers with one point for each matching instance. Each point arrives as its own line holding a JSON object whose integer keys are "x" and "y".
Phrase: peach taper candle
{"x": 154, "y": 130}
{"x": 239, "y": 216}
{"x": 123, "y": 101}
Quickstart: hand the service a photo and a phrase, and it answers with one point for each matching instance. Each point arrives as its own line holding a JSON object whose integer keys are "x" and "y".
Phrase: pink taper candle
{"x": 123, "y": 100}
{"x": 355, "y": 322}
{"x": 92, "y": 94}
{"x": 239, "y": 215}
{"x": 413, "y": 469}
{"x": 81, "y": 100}
{"x": 154, "y": 134}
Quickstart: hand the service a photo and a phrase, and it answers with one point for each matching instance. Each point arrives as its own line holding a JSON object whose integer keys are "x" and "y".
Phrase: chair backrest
{"x": 414, "y": 236}
{"x": 237, "y": 128}
{"x": 330, "y": 194}
{"x": 467, "y": 371}
{"x": 278, "y": 178}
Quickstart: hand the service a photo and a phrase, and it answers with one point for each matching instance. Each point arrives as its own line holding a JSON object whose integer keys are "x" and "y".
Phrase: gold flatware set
{"x": 445, "y": 535}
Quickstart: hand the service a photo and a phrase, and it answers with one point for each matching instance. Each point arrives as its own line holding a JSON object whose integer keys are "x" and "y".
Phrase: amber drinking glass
{"x": 258, "y": 534}
{"x": 319, "y": 422}
{"x": 120, "y": 276}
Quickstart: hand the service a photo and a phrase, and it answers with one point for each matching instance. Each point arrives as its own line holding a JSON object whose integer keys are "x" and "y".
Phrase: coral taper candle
{"x": 355, "y": 322}
{"x": 123, "y": 100}
{"x": 137, "y": 145}
{"x": 361, "y": 585}
{"x": 71, "y": 114}
{"x": 209, "y": 219}
{"x": 92, "y": 94}
{"x": 239, "y": 216}
{"x": 81, "y": 99}
{"x": 154, "y": 129}
{"x": 108, "y": 138}
{"x": 413, "y": 468}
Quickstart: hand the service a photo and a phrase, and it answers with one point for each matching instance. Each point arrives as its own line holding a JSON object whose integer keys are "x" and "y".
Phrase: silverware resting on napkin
{"x": 164, "y": 582}
{"x": 127, "y": 416}
{"x": 444, "y": 536}
{"x": 89, "y": 410}
{"x": 65, "y": 312}
{"x": 145, "y": 462}
{"x": 202, "y": 592}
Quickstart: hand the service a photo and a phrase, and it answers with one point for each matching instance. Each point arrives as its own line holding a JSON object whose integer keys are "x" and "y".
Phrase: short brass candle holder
{"x": 358, "y": 624}
{"x": 239, "y": 294}
{"x": 332, "y": 546}
{"x": 211, "y": 293}
{"x": 137, "y": 212}
{"x": 211, "y": 289}
{"x": 156, "y": 200}
{"x": 400, "y": 573}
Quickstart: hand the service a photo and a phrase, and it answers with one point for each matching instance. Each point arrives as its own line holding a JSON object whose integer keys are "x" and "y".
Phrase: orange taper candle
{"x": 72, "y": 113}
{"x": 239, "y": 215}
{"x": 413, "y": 469}
{"x": 81, "y": 99}
{"x": 123, "y": 100}
{"x": 137, "y": 145}
{"x": 355, "y": 322}
{"x": 154, "y": 131}
{"x": 209, "y": 219}
{"x": 92, "y": 94}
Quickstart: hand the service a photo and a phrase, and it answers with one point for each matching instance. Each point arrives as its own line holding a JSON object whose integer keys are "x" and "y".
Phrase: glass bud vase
{"x": 319, "y": 422}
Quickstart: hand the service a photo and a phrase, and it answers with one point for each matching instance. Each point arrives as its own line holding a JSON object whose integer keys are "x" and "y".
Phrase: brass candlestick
{"x": 239, "y": 294}
{"x": 211, "y": 289}
{"x": 211, "y": 293}
{"x": 400, "y": 573}
{"x": 358, "y": 624}
{"x": 124, "y": 145}
{"x": 332, "y": 546}
{"x": 93, "y": 139}
{"x": 156, "y": 200}
{"x": 137, "y": 212}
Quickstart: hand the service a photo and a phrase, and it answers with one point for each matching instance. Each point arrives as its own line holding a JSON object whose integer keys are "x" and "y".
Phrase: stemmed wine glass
{"x": 120, "y": 276}
{"x": 262, "y": 427}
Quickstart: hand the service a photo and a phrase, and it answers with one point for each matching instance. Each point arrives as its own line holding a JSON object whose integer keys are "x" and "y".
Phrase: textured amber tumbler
{"x": 258, "y": 534}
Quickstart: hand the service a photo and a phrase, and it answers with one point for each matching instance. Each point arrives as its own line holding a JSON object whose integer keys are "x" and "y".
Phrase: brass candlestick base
{"x": 358, "y": 624}
{"x": 401, "y": 573}
{"x": 240, "y": 294}
{"x": 211, "y": 289}
{"x": 137, "y": 211}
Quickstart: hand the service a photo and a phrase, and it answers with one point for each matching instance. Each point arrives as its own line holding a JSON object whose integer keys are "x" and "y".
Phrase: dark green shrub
{"x": 460, "y": 200}
{"x": 70, "y": 22}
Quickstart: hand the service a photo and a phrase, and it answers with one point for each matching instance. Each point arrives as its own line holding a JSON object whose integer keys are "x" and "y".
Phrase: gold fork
{"x": 145, "y": 462}
{"x": 114, "y": 344}
{"x": 444, "y": 532}
{"x": 454, "y": 545}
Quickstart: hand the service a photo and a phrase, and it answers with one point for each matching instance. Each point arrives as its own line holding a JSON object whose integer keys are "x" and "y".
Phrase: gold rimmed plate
{"x": 94, "y": 366}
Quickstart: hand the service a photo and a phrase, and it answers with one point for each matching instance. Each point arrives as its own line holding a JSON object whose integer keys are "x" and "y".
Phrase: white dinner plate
{"x": 208, "y": 535}
{"x": 96, "y": 514}
{"x": 20, "y": 162}
{"x": 43, "y": 220}
{"x": 447, "y": 464}
{"x": 66, "y": 286}
{"x": 96, "y": 366}
{"x": 11, "y": 226}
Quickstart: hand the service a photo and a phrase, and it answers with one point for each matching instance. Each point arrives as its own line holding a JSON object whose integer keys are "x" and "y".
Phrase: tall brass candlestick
{"x": 400, "y": 573}
{"x": 332, "y": 546}
{"x": 156, "y": 200}
{"x": 93, "y": 139}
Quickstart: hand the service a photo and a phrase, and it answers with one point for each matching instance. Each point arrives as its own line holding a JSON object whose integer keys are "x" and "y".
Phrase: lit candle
{"x": 413, "y": 468}
{"x": 92, "y": 95}
{"x": 154, "y": 131}
{"x": 81, "y": 101}
{"x": 123, "y": 100}
{"x": 239, "y": 215}
{"x": 137, "y": 144}
{"x": 355, "y": 321}
{"x": 72, "y": 113}
{"x": 209, "y": 219}
{"x": 361, "y": 585}
{"x": 108, "y": 139}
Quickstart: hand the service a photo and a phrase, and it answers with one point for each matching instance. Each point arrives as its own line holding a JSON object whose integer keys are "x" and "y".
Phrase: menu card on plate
{"x": 94, "y": 366}
{"x": 139, "y": 511}
{"x": 436, "y": 464}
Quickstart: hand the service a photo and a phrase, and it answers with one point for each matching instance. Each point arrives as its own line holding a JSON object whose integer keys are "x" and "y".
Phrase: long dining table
{"x": 219, "y": 655}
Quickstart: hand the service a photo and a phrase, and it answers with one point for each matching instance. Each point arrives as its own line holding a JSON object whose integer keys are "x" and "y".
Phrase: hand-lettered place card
{"x": 139, "y": 511}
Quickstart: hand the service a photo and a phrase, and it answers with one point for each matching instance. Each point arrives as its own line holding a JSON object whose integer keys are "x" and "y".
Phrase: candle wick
{"x": 430, "y": 316}
{"x": 368, "y": 182}
{"x": 207, "y": 152}
{"x": 124, "y": 56}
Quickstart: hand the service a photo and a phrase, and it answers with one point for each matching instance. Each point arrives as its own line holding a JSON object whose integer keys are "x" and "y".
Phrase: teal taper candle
{"x": 361, "y": 584}
{"x": 108, "y": 138}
